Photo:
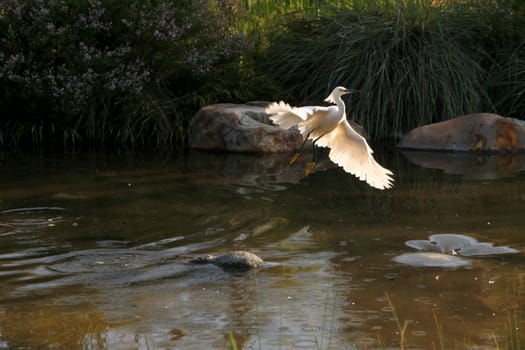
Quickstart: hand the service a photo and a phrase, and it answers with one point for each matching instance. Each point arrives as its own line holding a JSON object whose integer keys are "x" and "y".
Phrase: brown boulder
{"x": 474, "y": 132}
{"x": 239, "y": 128}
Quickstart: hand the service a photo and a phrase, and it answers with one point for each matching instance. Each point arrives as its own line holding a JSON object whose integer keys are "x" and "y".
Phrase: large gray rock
{"x": 473, "y": 132}
{"x": 240, "y": 128}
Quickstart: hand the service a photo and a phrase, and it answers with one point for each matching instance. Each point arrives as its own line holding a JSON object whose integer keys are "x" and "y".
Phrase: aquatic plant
{"x": 233, "y": 342}
{"x": 401, "y": 329}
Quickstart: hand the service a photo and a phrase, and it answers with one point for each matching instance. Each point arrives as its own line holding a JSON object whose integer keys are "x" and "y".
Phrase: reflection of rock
{"x": 253, "y": 172}
{"x": 473, "y": 132}
{"x": 235, "y": 260}
{"x": 297, "y": 241}
{"x": 472, "y": 166}
{"x": 270, "y": 225}
{"x": 239, "y": 128}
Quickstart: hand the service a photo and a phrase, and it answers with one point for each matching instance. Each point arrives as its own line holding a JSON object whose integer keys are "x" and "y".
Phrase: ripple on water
{"x": 112, "y": 243}
{"x": 26, "y": 220}
{"x": 31, "y": 210}
{"x": 24, "y": 254}
{"x": 6, "y": 230}
{"x": 95, "y": 268}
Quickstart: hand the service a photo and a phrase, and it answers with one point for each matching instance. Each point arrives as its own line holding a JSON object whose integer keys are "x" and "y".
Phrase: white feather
{"x": 350, "y": 150}
{"x": 328, "y": 125}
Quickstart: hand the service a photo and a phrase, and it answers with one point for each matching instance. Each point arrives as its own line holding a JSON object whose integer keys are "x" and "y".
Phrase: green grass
{"x": 414, "y": 62}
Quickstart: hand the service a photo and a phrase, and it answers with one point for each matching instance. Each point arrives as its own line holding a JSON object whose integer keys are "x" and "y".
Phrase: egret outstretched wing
{"x": 351, "y": 151}
{"x": 286, "y": 116}
{"x": 328, "y": 127}
{"x": 309, "y": 119}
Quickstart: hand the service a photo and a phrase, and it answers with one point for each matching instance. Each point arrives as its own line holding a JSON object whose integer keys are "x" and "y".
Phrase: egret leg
{"x": 300, "y": 150}
{"x": 310, "y": 166}
{"x": 295, "y": 157}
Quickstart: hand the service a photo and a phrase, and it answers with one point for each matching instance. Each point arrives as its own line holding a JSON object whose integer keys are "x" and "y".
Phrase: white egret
{"x": 328, "y": 127}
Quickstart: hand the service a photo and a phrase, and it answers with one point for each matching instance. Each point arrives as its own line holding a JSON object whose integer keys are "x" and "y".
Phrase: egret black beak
{"x": 349, "y": 91}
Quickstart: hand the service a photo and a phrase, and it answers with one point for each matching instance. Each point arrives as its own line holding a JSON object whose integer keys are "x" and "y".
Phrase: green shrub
{"x": 113, "y": 71}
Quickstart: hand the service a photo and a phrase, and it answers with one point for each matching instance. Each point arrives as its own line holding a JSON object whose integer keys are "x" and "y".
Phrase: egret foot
{"x": 309, "y": 167}
{"x": 295, "y": 157}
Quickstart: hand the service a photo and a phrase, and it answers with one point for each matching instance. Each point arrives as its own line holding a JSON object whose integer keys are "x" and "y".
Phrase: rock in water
{"x": 243, "y": 128}
{"x": 239, "y": 128}
{"x": 241, "y": 260}
{"x": 474, "y": 132}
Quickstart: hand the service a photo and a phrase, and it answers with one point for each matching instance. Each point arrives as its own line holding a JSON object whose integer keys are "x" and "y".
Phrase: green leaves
{"x": 102, "y": 71}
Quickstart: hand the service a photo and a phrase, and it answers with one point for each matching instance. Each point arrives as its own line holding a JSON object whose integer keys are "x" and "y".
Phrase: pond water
{"x": 94, "y": 250}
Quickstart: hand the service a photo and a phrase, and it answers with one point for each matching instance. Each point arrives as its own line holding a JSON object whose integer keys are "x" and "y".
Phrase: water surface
{"x": 93, "y": 253}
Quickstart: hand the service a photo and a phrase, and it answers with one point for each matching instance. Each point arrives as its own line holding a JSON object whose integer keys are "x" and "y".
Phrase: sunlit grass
{"x": 513, "y": 319}
{"x": 233, "y": 342}
{"x": 439, "y": 330}
{"x": 323, "y": 341}
{"x": 510, "y": 340}
{"x": 400, "y": 328}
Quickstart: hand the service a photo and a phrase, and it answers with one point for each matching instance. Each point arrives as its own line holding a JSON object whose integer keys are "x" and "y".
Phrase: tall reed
{"x": 415, "y": 61}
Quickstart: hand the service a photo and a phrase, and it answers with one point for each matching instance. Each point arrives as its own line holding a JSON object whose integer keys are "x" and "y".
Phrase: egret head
{"x": 337, "y": 92}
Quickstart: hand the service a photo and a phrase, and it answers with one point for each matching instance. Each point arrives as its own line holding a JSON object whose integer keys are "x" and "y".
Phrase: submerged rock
{"x": 474, "y": 132}
{"x": 444, "y": 250}
{"x": 431, "y": 259}
{"x": 455, "y": 244}
{"x": 240, "y": 128}
{"x": 241, "y": 260}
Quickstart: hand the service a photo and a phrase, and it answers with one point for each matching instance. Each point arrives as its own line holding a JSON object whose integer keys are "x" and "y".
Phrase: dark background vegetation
{"x": 101, "y": 72}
